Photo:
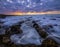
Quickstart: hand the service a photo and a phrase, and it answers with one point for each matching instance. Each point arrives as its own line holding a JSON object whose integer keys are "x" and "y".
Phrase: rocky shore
{"x": 30, "y": 31}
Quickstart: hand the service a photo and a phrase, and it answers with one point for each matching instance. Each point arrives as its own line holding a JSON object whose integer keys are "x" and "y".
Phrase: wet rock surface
{"x": 40, "y": 30}
{"x": 49, "y": 43}
{"x": 30, "y": 31}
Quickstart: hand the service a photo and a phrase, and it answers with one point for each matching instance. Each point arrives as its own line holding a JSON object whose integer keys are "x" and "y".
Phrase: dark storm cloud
{"x": 29, "y": 5}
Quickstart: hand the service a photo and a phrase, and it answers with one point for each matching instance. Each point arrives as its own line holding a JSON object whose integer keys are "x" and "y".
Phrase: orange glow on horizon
{"x": 32, "y": 13}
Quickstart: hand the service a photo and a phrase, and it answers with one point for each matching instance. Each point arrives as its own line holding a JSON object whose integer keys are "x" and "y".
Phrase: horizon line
{"x": 32, "y": 13}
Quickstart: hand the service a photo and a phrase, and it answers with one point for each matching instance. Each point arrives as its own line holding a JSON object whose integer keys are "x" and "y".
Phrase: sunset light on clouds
{"x": 20, "y": 7}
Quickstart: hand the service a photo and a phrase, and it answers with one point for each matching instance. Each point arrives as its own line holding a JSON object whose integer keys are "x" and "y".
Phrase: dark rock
{"x": 49, "y": 43}
{"x": 55, "y": 25}
{"x": 5, "y": 39}
{"x": 50, "y": 26}
{"x": 40, "y": 30}
{"x": 0, "y": 39}
{"x": 53, "y": 19}
{"x": 2, "y": 16}
{"x": 1, "y": 45}
{"x": 15, "y": 29}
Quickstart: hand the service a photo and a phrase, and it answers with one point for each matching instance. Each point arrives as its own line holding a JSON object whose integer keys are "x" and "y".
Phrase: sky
{"x": 29, "y": 5}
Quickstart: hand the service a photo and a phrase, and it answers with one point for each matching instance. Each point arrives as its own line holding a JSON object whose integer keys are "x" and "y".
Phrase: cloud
{"x": 29, "y": 5}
